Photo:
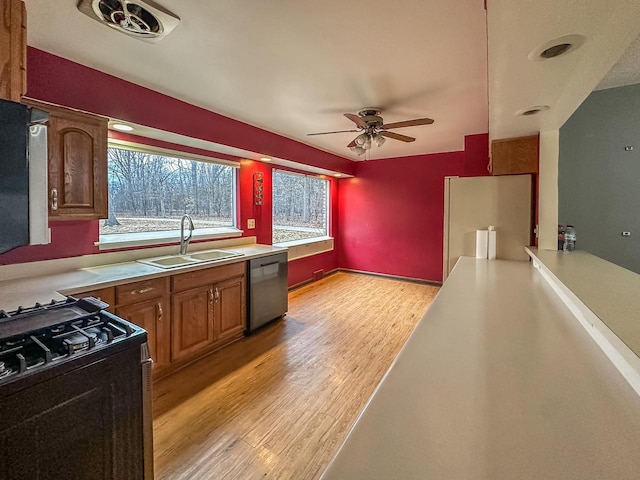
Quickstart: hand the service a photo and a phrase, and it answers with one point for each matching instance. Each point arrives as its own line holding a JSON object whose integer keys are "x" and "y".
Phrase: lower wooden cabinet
{"x": 185, "y": 315}
{"x": 210, "y": 315}
{"x": 229, "y": 309}
{"x": 150, "y": 315}
{"x": 192, "y": 321}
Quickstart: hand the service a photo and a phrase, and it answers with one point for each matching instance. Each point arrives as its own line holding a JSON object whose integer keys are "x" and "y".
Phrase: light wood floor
{"x": 278, "y": 404}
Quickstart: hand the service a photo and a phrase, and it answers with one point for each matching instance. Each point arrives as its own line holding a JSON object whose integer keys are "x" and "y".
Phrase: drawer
{"x": 140, "y": 291}
{"x": 185, "y": 281}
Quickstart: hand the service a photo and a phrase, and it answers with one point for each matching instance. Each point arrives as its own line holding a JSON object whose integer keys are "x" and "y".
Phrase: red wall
{"x": 391, "y": 214}
{"x": 386, "y": 220}
{"x": 63, "y": 82}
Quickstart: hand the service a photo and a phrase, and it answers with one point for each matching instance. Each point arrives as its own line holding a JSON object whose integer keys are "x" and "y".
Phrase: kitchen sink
{"x": 174, "y": 261}
{"x": 168, "y": 262}
{"x": 214, "y": 255}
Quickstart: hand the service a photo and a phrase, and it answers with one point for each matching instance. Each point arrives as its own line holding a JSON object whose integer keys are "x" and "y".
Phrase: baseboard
{"x": 311, "y": 280}
{"x": 373, "y": 274}
{"x": 393, "y": 277}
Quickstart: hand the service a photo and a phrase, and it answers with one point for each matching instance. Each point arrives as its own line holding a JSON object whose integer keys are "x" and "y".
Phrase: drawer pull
{"x": 54, "y": 199}
{"x": 217, "y": 295}
{"x": 160, "y": 312}
{"x": 211, "y": 296}
{"x": 142, "y": 290}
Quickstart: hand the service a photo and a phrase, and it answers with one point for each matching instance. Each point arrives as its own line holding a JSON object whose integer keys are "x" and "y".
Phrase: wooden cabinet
{"x": 185, "y": 315}
{"x": 514, "y": 156}
{"x": 78, "y": 187}
{"x": 229, "y": 309}
{"x": 13, "y": 50}
{"x": 192, "y": 321}
{"x": 146, "y": 304}
{"x": 208, "y": 309}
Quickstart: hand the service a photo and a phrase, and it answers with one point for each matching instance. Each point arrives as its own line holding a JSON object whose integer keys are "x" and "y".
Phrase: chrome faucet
{"x": 184, "y": 241}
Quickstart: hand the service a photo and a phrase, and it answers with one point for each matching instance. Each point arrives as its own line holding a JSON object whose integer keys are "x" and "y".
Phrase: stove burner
{"x": 79, "y": 341}
{"x": 4, "y": 370}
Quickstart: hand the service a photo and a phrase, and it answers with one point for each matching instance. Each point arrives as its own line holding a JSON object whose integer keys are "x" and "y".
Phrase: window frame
{"x": 127, "y": 240}
{"x": 306, "y": 244}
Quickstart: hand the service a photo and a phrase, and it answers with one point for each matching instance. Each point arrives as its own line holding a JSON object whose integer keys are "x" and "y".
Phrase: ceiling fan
{"x": 373, "y": 129}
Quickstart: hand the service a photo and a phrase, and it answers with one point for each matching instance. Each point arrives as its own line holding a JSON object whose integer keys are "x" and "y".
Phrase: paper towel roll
{"x": 491, "y": 246}
{"x": 482, "y": 240}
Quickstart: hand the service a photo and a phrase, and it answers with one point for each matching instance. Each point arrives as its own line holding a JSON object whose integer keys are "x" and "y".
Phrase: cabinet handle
{"x": 141, "y": 291}
{"x": 211, "y": 296}
{"x": 217, "y": 296}
{"x": 54, "y": 199}
{"x": 160, "y": 312}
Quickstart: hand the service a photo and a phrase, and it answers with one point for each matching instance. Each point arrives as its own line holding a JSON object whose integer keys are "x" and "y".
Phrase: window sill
{"x": 308, "y": 247}
{"x": 127, "y": 240}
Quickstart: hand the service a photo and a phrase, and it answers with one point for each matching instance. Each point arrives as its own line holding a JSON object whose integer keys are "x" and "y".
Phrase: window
{"x": 150, "y": 191}
{"x": 300, "y": 207}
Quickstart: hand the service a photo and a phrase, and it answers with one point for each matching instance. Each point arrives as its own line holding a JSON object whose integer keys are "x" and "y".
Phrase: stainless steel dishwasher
{"x": 266, "y": 289}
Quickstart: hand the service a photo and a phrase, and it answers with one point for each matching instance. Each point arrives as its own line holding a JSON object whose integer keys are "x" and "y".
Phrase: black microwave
{"x": 23, "y": 187}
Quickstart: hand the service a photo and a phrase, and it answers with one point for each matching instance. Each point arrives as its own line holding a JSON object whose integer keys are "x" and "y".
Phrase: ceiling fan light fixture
{"x": 361, "y": 139}
{"x": 357, "y": 150}
{"x": 379, "y": 139}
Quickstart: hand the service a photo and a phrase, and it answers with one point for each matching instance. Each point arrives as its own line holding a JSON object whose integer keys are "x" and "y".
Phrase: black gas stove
{"x": 73, "y": 372}
{"x": 46, "y": 335}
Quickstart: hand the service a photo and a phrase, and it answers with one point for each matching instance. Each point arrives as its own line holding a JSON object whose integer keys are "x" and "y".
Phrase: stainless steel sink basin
{"x": 214, "y": 255}
{"x": 174, "y": 261}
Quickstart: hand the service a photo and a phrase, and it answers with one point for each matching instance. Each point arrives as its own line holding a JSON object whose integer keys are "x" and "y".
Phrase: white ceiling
{"x": 626, "y": 71}
{"x": 294, "y": 66}
{"x": 517, "y": 28}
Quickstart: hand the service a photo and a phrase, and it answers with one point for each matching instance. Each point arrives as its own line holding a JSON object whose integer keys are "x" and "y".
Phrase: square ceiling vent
{"x": 140, "y": 19}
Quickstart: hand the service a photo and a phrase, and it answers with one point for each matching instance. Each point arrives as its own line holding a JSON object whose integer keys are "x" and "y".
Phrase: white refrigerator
{"x": 474, "y": 203}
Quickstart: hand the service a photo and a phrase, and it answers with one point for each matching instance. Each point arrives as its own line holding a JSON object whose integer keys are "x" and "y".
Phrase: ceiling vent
{"x": 141, "y": 19}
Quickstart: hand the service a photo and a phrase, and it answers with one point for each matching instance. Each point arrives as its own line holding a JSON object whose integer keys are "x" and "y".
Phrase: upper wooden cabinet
{"x": 514, "y": 156}
{"x": 13, "y": 50}
{"x": 78, "y": 186}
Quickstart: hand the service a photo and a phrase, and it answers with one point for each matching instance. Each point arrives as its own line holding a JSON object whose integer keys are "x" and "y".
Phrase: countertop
{"x": 27, "y": 291}
{"x": 498, "y": 381}
{"x": 608, "y": 290}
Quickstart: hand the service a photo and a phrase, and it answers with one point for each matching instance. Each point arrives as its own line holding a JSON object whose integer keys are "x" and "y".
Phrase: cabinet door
{"x": 514, "y": 156}
{"x": 150, "y": 315}
{"x": 77, "y": 166}
{"x": 13, "y": 50}
{"x": 191, "y": 321}
{"x": 229, "y": 308}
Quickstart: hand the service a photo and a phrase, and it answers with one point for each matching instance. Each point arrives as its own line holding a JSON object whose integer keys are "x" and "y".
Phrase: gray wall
{"x": 598, "y": 181}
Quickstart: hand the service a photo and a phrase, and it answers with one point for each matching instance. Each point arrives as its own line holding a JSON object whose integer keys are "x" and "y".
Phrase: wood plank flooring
{"x": 278, "y": 404}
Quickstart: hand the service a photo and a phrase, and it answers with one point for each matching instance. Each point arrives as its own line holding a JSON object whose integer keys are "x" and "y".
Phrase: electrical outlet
{"x": 626, "y": 234}
{"x": 251, "y": 223}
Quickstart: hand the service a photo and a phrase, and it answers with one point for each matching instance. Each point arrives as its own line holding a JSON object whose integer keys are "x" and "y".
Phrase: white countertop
{"x": 27, "y": 291}
{"x": 498, "y": 381}
{"x": 608, "y": 290}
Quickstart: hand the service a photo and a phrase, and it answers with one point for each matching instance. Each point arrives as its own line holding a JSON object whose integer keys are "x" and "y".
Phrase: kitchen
{"x": 375, "y": 218}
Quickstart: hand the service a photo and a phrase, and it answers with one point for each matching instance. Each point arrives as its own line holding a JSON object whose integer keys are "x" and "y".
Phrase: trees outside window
{"x": 150, "y": 192}
{"x": 300, "y": 207}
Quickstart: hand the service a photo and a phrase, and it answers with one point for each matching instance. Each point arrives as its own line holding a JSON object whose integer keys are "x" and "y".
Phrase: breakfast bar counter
{"x": 498, "y": 381}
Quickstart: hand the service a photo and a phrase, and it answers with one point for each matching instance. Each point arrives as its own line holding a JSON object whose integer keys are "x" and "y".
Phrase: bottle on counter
{"x": 560, "y": 237}
{"x": 569, "y": 239}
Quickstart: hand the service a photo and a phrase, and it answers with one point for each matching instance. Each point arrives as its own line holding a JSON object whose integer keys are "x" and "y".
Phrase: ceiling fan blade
{"x": 328, "y": 133}
{"x": 352, "y": 144}
{"x": 397, "y": 136}
{"x": 409, "y": 123}
{"x": 356, "y": 119}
